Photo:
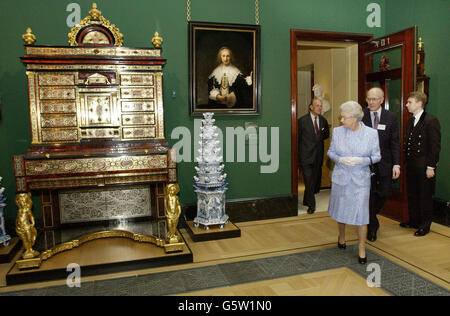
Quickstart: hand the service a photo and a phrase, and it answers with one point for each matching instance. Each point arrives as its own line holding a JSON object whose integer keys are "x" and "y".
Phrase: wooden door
{"x": 397, "y": 81}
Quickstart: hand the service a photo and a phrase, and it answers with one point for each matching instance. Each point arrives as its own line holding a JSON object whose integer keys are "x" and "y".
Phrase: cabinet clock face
{"x": 95, "y": 37}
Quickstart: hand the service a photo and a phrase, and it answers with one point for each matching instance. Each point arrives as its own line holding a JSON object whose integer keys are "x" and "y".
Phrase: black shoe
{"x": 362, "y": 260}
{"x": 372, "y": 236}
{"x": 311, "y": 210}
{"x": 342, "y": 246}
{"x": 408, "y": 225}
{"x": 421, "y": 232}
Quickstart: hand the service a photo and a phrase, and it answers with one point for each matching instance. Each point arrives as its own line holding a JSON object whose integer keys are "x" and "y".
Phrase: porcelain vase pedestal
{"x": 210, "y": 207}
{"x": 210, "y": 182}
{"x": 4, "y": 237}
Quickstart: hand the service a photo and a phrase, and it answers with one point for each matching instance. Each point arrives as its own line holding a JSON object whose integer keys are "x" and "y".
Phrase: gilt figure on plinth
{"x": 25, "y": 225}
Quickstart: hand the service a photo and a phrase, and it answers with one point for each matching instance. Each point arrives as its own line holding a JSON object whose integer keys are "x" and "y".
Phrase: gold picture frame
{"x": 229, "y": 86}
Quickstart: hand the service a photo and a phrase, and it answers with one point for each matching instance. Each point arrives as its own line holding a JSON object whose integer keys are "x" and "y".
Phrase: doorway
{"x": 328, "y": 70}
{"x": 397, "y": 81}
{"x": 332, "y": 55}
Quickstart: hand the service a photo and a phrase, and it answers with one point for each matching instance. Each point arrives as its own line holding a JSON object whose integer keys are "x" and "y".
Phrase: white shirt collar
{"x": 417, "y": 117}
{"x": 378, "y": 112}
{"x": 313, "y": 118}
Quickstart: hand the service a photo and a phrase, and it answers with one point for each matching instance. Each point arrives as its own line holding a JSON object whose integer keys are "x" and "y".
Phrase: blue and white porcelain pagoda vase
{"x": 4, "y": 237}
{"x": 210, "y": 184}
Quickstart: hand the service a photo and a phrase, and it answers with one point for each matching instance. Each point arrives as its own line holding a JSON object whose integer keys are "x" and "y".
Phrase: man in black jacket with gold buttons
{"x": 422, "y": 148}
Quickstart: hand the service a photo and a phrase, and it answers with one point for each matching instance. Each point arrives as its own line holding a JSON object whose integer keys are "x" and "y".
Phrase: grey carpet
{"x": 395, "y": 279}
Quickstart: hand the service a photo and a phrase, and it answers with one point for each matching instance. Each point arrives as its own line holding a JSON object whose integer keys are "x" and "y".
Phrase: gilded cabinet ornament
{"x": 29, "y": 37}
{"x": 157, "y": 40}
{"x": 25, "y": 225}
{"x": 94, "y": 12}
{"x": 420, "y": 44}
{"x": 422, "y": 80}
{"x": 419, "y": 52}
{"x": 95, "y": 18}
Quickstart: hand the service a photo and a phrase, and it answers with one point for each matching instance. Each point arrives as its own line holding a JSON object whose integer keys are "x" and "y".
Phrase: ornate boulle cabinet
{"x": 97, "y": 125}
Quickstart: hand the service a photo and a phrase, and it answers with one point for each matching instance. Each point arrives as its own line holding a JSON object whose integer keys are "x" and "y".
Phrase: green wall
{"x": 431, "y": 18}
{"x": 138, "y": 20}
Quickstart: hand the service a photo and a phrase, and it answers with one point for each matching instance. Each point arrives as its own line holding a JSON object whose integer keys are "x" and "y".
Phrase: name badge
{"x": 381, "y": 127}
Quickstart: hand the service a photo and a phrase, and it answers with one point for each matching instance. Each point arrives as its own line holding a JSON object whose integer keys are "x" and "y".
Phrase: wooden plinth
{"x": 7, "y": 253}
{"x": 213, "y": 233}
{"x": 101, "y": 256}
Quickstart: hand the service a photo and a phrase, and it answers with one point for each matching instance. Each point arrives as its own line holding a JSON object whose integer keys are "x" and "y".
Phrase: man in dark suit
{"x": 312, "y": 131}
{"x": 422, "y": 148}
{"x": 385, "y": 122}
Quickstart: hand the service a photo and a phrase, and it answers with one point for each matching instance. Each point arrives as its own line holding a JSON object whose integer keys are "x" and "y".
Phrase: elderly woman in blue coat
{"x": 353, "y": 148}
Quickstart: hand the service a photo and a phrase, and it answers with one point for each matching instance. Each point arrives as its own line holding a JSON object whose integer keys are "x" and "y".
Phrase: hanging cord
{"x": 257, "y": 12}
{"x": 188, "y": 10}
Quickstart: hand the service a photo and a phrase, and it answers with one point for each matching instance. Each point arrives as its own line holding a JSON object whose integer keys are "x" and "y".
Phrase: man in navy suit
{"x": 422, "y": 149}
{"x": 385, "y": 122}
{"x": 312, "y": 131}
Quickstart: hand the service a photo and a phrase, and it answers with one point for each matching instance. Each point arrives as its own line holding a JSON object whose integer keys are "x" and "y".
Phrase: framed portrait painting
{"x": 224, "y": 68}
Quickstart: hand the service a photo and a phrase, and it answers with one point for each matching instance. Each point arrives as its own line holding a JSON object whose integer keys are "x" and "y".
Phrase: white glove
{"x": 351, "y": 161}
{"x": 346, "y": 161}
{"x": 356, "y": 160}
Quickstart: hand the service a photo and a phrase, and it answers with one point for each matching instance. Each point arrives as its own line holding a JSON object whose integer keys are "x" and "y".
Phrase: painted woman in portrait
{"x": 227, "y": 86}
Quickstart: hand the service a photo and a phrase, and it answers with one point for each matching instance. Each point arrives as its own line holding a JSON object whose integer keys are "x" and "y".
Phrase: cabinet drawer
{"x": 138, "y": 119}
{"x": 55, "y": 120}
{"x": 49, "y": 107}
{"x": 100, "y": 133}
{"x": 59, "y": 135}
{"x": 136, "y": 80}
{"x": 136, "y": 93}
{"x": 55, "y": 79}
{"x": 139, "y": 132}
{"x": 50, "y": 93}
{"x": 138, "y": 106}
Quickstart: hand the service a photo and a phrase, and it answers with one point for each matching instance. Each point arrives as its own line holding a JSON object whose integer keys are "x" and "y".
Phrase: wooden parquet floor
{"x": 427, "y": 256}
{"x": 340, "y": 282}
